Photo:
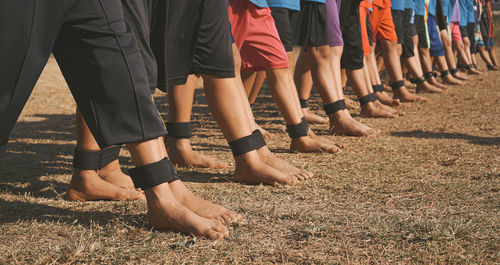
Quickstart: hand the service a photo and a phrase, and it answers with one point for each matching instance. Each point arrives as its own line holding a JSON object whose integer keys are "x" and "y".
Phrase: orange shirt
{"x": 382, "y": 3}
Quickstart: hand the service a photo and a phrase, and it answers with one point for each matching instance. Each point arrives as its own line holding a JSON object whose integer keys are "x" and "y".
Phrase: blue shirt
{"x": 431, "y": 7}
{"x": 397, "y": 5}
{"x": 470, "y": 12}
{"x": 410, "y": 4}
{"x": 444, "y": 4}
{"x": 420, "y": 7}
{"x": 288, "y": 4}
{"x": 317, "y": 1}
{"x": 462, "y": 5}
{"x": 259, "y": 3}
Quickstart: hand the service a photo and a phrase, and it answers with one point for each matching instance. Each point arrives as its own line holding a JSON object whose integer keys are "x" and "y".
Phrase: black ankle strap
{"x": 367, "y": 99}
{"x": 419, "y": 80}
{"x": 247, "y": 144}
{"x": 378, "y": 88}
{"x": 453, "y": 71}
{"x": 468, "y": 67}
{"x": 397, "y": 85}
{"x": 335, "y": 106}
{"x": 429, "y": 75}
{"x": 179, "y": 130}
{"x": 445, "y": 73}
{"x": 95, "y": 160}
{"x": 304, "y": 103}
{"x": 259, "y": 139}
{"x": 298, "y": 130}
{"x": 148, "y": 176}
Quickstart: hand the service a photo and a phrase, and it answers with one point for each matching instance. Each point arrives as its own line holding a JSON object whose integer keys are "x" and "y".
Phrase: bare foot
{"x": 250, "y": 169}
{"x": 308, "y": 144}
{"x": 404, "y": 96}
{"x": 370, "y": 110}
{"x": 379, "y": 105}
{"x": 323, "y": 139}
{"x": 313, "y": 118}
{"x": 449, "y": 79}
{"x": 86, "y": 185}
{"x": 428, "y": 88}
{"x": 473, "y": 71}
{"x": 202, "y": 207}
{"x": 271, "y": 160}
{"x": 434, "y": 82}
{"x": 460, "y": 76}
{"x": 265, "y": 133}
{"x": 165, "y": 212}
{"x": 113, "y": 174}
{"x": 181, "y": 154}
{"x": 351, "y": 104}
{"x": 387, "y": 100}
{"x": 341, "y": 123}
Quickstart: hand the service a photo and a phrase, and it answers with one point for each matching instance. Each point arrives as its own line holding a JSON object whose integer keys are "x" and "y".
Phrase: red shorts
{"x": 455, "y": 31}
{"x": 382, "y": 24}
{"x": 363, "y": 12}
{"x": 256, "y": 36}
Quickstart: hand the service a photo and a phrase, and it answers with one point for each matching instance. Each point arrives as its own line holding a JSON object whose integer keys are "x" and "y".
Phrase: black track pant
{"x": 98, "y": 56}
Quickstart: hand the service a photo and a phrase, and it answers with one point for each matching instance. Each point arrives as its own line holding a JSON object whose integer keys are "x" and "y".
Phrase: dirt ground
{"x": 426, "y": 190}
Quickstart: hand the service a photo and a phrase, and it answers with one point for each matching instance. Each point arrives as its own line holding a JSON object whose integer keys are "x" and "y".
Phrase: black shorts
{"x": 413, "y": 30}
{"x": 352, "y": 56}
{"x": 397, "y": 17}
{"x": 98, "y": 56}
{"x": 472, "y": 38}
{"x": 441, "y": 19}
{"x": 407, "y": 37}
{"x": 138, "y": 15}
{"x": 464, "y": 32}
{"x": 284, "y": 18}
{"x": 423, "y": 41}
{"x": 198, "y": 41}
{"x": 311, "y": 27}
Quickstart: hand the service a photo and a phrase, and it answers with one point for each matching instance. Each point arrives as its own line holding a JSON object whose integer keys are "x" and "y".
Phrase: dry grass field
{"x": 425, "y": 191}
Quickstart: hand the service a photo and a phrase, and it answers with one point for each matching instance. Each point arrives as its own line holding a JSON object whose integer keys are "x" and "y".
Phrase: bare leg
{"x": 416, "y": 72}
{"x": 180, "y": 100}
{"x": 358, "y": 83}
{"x": 304, "y": 83}
{"x": 391, "y": 61}
{"x": 371, "y": 65}
{"x": 450, "y": 58}
{"x": 224, "y": 99}
{"x": 164, "y": 210}
{"x": 318, "y": 58}
{"x": 493, "y": 57}
{"x": 87, "y": 185}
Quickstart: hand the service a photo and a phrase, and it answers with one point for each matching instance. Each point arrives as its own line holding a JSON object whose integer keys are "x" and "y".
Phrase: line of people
{"x": 115, "y": 54}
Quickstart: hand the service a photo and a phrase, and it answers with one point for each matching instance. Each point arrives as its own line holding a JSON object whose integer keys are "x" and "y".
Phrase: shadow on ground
{"x": 479, "y": 140}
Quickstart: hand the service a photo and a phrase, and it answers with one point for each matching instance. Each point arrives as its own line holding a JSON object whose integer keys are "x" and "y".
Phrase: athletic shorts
{"x": 256, "y": 36}
{"x": 413, "y": 30}
{"x": 138, "y": 14}
{"x": 98, "y": 56}
{"x": 472, "y": 38}
{"x": 334, "y": 32}
{"x": 455, "y": 31}
{"x": 198, "y": 40}
{"x": 477, "y": 36}
{"x": 407, "y": 42}
{"x": 441, "y": 20}
{"x": 382, "y": 24}
{"x": 397, "y": 17}
{"x": 352, "y": 56}
{"x": 364, "y": 21}
{"x": 312, "y": 25}
{"x": 491, "y": 42}
{"x": 284, "y": 18}
{"x": 423, "y": 38}
{"x": 463, "y": 32}
{"x": 437, "y": 48}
